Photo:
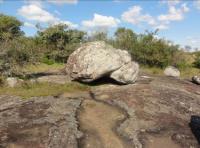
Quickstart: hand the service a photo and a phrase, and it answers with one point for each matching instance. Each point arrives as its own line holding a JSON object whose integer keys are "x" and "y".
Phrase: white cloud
{"x": 162, "y": 27}
{"x": 35, "y": 12}
{"x": 134, "y": 16}
{"x": 100, "y": 21}
{"x": 27, "y": 24}
{"x": 174, "y": 14}
{"x": 170, "y": 2}
{"x": 1, "y": 1}
{"x": 60, "y": 2}
{"x": 34, "y": 2}
{"x": 197, "y": 4}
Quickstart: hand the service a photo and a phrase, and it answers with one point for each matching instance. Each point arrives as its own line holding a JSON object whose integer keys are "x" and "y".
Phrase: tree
{"x": 9, "y": 27}
{"x": 59, "y": 35}
{"x": 98, "y": 36}
{"x": 125, "y": 38}
{"x": 153, "y": 51}
{"x": 197, "y": 60}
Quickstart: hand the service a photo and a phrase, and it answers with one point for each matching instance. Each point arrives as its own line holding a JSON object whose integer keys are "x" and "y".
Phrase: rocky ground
{"x": 152, "y": 113}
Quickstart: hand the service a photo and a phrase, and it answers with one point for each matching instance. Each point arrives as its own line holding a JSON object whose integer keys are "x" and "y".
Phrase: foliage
{"x": 60, "y": 41}
{"x": 17, "y": 53}
{"x": 125, "y": 39}
{"x": 59, "y": 56}
{"x": 58, "y": 36}
{"x": 146, "y": 48}
{"x": 54, "y": 45}
{"x": 98, "y": 36}
{"x": 2, "y": 80}
{"x": 181, "y": 60}
{"x": 9, "y": 27}
{"x": 197, "y": 60}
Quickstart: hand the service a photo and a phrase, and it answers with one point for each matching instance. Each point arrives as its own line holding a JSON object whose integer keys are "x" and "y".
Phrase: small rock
{"x": 12, "y": 82}
{"x": 172, "y": 71}
{"x": 196, "y": 80}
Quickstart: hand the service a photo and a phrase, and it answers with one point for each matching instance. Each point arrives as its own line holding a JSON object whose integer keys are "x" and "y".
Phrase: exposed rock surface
{"x": 96, "y": 59}
{"x": 154, "y": 112}
{"x": 158, "y": 107}
{"x": 45, "y": 122}
{"x": 58, "y": 79}
{"x": 172, "y": 71}
{"x": 196, "y": 80}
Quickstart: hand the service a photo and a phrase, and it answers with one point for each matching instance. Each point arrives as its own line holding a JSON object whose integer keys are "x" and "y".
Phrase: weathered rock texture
{"x": 97, "y": 59}
{"x": 172, "y": 71}
{"x": 157, "y": 108}
{"x": 44, "y": 122}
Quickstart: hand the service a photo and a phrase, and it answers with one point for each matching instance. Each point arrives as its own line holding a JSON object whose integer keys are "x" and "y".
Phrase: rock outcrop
{"x": 172, "y": 71}
{"x": 97, "y": 59}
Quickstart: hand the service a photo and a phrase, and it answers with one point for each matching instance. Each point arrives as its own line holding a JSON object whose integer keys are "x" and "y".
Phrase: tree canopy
{"x": 9, "y": 27}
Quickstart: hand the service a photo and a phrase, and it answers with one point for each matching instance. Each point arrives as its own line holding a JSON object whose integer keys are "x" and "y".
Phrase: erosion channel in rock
{"x": 98, "y": 121}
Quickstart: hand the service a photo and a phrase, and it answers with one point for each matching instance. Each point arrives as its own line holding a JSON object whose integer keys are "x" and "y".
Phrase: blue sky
{"x": 177, "y": 20}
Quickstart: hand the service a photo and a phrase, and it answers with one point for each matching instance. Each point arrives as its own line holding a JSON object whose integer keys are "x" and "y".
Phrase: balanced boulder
{"x": 97, "y": 59}
{"x": 172, "y": 71}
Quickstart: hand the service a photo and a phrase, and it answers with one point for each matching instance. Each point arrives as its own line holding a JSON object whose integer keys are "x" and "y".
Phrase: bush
{"x": 48, "y": 61}
{"x": 59, "y": 56}
{"x": 181, "y": 60}
{"x": 17, "y": 53}
{"x": 197, "y": 63}
{"x": 2, "y": 80}
{"x": 9, "y": 27}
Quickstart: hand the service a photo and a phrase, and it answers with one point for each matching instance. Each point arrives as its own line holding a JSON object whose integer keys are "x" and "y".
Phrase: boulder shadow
{"x": 102, "y": 81}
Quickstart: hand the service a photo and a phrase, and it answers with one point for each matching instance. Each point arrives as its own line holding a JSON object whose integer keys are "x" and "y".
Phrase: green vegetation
{"x": 197, "y": 60}
{"x": 28, "y": 89}
{"x": 9, "y": 27}
{"x": 51, "y": 47}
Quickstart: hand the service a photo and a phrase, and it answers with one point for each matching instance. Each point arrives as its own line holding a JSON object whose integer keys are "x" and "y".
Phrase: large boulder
{"x": 97, "y": 59}
{"x": 172, "y": 71}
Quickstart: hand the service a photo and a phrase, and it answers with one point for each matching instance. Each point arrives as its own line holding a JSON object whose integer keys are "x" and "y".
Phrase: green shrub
{"x": 197, "y": 60}
{"x": 2, "y": 80}
{"x": 60, "y": 56}
{"x": 48, "y": 61}
{"x": 197, "y": 63}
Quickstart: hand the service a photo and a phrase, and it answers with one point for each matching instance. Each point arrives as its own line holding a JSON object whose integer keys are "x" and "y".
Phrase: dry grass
{"x": 186, "y": 73}
{"x": 42, "y": 89}
{"x": 43, "y": 68}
